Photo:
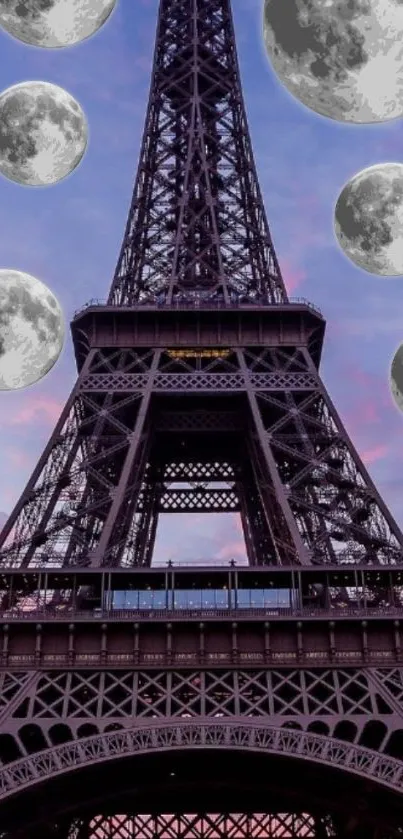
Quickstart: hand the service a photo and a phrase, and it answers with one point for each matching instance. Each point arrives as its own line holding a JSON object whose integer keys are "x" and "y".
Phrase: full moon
{"x": 43, "y": 133}
{"x": 31, "y": 329}
{"x": 341, "y": 58}
{"x": 396, "y": 377}
{"x": 369, "y": 219}
{"x": 54, "y": 23}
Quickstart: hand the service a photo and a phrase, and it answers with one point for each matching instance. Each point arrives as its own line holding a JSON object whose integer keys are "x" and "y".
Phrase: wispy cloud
{"x": 293, "y": 276}
{"x": 376, "y": 453}
{"x": 35, "y": 409}
{"x": 191, "y": 537}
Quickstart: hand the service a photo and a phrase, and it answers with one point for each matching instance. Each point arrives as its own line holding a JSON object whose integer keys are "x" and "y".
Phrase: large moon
{"x": 396, "y": 377}
{"x": 31, "y": 329}
{"x": 54, "y": 23}
{"x": 43, "y": 133}
{"x": 369, "y": 219}
{"x": 341, "y": 58}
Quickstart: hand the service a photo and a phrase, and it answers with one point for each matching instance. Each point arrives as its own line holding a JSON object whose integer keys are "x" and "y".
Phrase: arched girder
{"x": 249, "y": 736}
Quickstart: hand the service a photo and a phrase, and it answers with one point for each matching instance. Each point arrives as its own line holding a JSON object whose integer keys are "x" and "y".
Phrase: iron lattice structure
{"x": 196, "y": 225}
{"x": 274, "y": 690}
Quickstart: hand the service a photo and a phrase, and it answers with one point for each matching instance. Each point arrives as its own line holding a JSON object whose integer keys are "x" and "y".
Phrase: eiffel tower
{"x": 142, "y": 702}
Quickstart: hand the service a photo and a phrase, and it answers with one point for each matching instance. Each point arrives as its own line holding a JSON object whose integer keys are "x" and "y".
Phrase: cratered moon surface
{"x": 43, "y": 133}
{"x": 341, "y": 58}
{"x": 54, "y": 23}
{"x": 396, "y": 377}
{"x": 369, "y": 219}
{"x": 31, "y": 329}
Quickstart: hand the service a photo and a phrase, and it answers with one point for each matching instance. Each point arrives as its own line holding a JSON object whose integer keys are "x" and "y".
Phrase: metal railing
{"x": 88, "y": 659}
{"x": 148, "y": 613}
{"x": 199, "y": 304}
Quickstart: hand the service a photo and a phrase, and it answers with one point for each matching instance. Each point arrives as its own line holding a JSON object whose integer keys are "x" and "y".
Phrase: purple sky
{"x": 69, "y": 236}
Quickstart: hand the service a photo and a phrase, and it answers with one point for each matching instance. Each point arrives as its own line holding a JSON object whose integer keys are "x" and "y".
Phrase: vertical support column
{"x": 104, "y": 643}
{"x": 38, "y": 644}
{"x": 361, "y": 469}
{"x": 71, "y": 650}
{"x": 4, "y": 652}
{"x": 267, "y": 644}
{"x": 300, "y": 548}
{"x": 234, "y": 644}
{"x": 168, "y": 647}
{"x": 397, "y": 639}
{"x": 118, "y": 500}
{"x": 147, "y": 528}
{"x": 202, "y": 647}
{"x": 259, "y": 541}
{"x": 5, "y": 532}
{"x": 332, "y": 641}
{"x": 136, "y": 643}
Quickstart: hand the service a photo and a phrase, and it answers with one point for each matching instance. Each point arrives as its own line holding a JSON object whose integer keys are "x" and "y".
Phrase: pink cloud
{"x": 18, "y": 458}
{"x": 361, "y": 377}
{"x": 367, "y": 411}
{"x": 35, "y": 409}
{"x": 293, "y": 277}
{"x": 232, "y": 550}
{"x": 375, "y": 453}
{"x": 368, "y": 397}
{"x": 9, "y": 497}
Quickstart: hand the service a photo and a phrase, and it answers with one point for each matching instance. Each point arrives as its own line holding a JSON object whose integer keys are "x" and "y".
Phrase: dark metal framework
{"x": 196, "y": 224}
{"x": 198, "y": 391}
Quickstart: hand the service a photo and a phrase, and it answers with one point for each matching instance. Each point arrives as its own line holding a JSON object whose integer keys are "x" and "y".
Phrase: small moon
{"x": 54, "y": 23}
{"x": 31, "y": 329}
{"x": 368, "y": 219}
{"x": 43, "y": 133}
{"x": 396, "y": 377}
{"x": 341, "y": 58}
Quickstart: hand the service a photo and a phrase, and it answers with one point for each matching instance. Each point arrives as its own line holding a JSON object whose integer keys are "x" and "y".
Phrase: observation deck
{"x": 196, "y": 323}
{"x": 194, "y": 616}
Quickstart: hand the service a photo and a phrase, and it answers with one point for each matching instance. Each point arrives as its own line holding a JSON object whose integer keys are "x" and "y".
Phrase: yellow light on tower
{"x": 199, "y": 353}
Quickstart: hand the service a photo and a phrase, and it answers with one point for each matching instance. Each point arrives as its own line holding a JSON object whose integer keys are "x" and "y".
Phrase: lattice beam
{"x": 353, "y": 760}
{"x": 196, "y": 222}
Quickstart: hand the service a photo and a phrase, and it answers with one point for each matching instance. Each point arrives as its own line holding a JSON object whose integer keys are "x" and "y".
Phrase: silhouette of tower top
{"x": 197, "y": 226}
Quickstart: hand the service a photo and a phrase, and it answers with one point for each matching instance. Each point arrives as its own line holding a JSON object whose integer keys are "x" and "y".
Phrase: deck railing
{"x": 200, "y": 304}
{"x": 60, "y": 613}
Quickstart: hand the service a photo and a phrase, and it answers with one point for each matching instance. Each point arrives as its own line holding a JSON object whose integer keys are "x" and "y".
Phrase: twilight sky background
{"x": 69, "y": 236}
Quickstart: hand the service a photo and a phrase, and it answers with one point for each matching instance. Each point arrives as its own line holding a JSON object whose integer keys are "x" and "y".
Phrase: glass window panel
{"x": 132, "y": 600}
{"x": 257, "y": 598}
{"x": 180, "y": 599}
{"x": 283, "y": 597}
{"x": 243, "y": 598}
{"x": 159, "y": 600}
{"x": 119, "y": 599}
{"x": 146, "y": 599}
{"x": 208, "y": 598}
{"x": 278, "y": 597}
{"x": 125, "y": 599}
{"x": 194, "y": 599}
{"x": 221, "y": 598}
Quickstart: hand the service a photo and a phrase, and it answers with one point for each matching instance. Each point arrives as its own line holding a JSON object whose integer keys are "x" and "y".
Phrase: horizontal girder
{"x": 191, "y": 327}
